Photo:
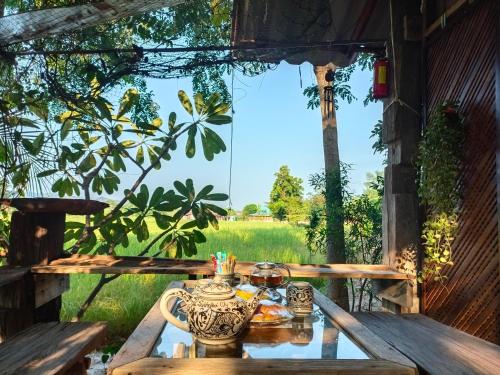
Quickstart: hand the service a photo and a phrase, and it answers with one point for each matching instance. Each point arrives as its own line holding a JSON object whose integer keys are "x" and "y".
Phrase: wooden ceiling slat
{"x": 47, "y": 22}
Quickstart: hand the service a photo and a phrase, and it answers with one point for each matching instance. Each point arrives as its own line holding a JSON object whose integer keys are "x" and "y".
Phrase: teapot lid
{"x": 265, "y": 265}
{"x": 217, "y": 290}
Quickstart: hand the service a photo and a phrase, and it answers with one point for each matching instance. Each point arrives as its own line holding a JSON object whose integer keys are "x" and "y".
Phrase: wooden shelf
{"x": 104, "y": 264}
{"x": 56, "y": 205}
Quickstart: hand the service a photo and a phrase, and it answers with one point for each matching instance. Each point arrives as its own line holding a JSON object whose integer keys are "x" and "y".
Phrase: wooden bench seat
{"x": 50, "y": 348}
{"x": 436, "y": 348}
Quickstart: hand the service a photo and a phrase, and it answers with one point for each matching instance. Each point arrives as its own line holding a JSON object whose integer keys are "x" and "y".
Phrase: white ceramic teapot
{"x": 215, "y": 314}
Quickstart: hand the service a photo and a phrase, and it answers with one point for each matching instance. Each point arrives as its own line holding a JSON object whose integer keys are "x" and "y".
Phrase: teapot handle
{"x": 287, "y": 269}
{"x": 167, "y": 296}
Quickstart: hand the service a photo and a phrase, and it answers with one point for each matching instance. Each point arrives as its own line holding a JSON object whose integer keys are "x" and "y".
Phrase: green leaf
{"x": 201, "y": 218}
{"x": 199, "y": 237}
{"x": 217, "y": 197}
{"x": 104, "y": 108}
{"x": 157, "y": 123}
{"x": 144, "y": 230}
{"x": 181, "y": 188}
{"x": 217, "y": 141}
{"x": 190, "y": 189}
{"x": 171, "y": 120}
{"x": 65, "y": 129}
{"x": 186, "y": 103}
{"x": 212, "y": 103}
{"x": 118, "y": 163}
{"x": 38, "y": 143}
{"x": 212, "y": 219}
{"x": 220, "y": 109}
{"x": 207, "y": 148}
{"x": 128, "y": 99}
{"x": 204, "y": 192}
{"x": 163, "y": 221}
{"x": 47, "y": 173}
{"x": 41, "y": 110}
{"x": 189, "y": 224}
{"x": 143, "y": 197}
{"x": 191, "y": 144}
{"x": 219, "y": 119}
{"x": 153, "y": 158}
{"x": 157, "y": 197}
{"x": 87, "y": 163}
{"x": 127, "y": 144}
{"x": 139, "y": 158}
{"x": 199, "y": 104}
{"x": 218, "y": 210}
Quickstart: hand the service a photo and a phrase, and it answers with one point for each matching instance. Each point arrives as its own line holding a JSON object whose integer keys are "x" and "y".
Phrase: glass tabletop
{"x": 312, "y": 337}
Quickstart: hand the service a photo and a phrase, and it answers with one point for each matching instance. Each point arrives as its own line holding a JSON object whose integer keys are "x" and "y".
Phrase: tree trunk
{"x": 337, "y": 288}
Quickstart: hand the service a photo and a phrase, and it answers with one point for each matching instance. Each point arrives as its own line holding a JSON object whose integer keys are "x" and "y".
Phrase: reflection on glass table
{"x": 311, "y": 337}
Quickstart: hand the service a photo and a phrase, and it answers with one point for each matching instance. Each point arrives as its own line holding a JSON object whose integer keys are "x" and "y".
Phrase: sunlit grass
{"x": 125, "y": 301}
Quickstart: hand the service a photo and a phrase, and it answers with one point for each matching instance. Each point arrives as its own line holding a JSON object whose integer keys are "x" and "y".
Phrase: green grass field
{"x": 125, "y": 301}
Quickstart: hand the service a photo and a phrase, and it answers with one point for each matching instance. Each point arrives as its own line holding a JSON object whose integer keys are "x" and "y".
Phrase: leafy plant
{"x": 286, "y": 196}
{"x": 378, "y": 145}
{"x": 23, "y": 152}
{"x": 439, "y": 159}
{"x": 438, "y": 234}
{"x": 92, "y": 144}
{"x": 249, "y": 209}
{"x": 103, "y": 143}
{"x": 362, "y": 225}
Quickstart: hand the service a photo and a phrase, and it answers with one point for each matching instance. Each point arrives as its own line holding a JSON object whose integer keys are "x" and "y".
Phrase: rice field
{"x": 125, "y": 301}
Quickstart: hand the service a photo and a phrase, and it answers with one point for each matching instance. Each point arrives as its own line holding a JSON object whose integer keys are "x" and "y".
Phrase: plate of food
{"x": 247, "y": 291}
{"x": 270, "y": 313}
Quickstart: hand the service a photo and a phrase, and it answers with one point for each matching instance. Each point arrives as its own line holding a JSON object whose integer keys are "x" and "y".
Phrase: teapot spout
{"x": 254, "y": 301}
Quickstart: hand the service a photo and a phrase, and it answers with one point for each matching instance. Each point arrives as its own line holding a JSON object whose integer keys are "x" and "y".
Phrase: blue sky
{"x": 272, "y": 127}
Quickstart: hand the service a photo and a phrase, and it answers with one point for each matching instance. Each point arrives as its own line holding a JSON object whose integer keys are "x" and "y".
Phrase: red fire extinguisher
{"x": 381, "y": 78}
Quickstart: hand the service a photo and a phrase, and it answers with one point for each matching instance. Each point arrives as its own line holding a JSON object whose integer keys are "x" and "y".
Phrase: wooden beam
{"x": 48, "y": 22}
{"x": 104, "y": 264}
{"x": 11, "y": 296}
{"x": 56, "y": 205}
{"x": 232, "y": 366}
{"x": 48, "y": 287}
{"x": 10, "y": 275}
{"x": 401, "y": 133}
{"x": 35, "y": 238}
{"x": 448, "y": 13}
{"x": 399, "y": 292}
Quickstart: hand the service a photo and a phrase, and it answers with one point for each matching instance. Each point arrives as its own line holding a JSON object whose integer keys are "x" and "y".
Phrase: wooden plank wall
{"x": 461, "y": 66}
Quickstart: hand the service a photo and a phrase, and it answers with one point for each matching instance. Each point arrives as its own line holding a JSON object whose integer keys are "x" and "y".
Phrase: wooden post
{"x": 37, "y": 238}
{"x": 401, "y": 132}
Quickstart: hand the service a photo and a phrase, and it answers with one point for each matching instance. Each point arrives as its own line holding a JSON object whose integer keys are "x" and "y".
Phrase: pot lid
{"x": 265, "y": 265}
{"x": 217, "y": 290}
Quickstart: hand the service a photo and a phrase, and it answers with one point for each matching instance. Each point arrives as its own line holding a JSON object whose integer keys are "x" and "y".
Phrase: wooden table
{"x": 135, "y": 356}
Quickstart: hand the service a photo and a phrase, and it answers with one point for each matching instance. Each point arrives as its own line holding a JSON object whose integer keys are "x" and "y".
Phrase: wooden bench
{"x": 51, "y": 348}
{"x": 436, "y": 348}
